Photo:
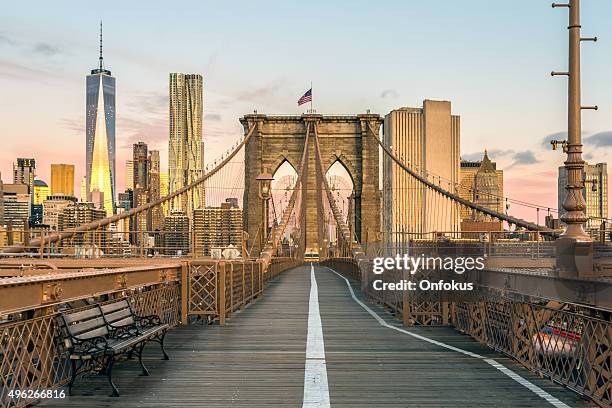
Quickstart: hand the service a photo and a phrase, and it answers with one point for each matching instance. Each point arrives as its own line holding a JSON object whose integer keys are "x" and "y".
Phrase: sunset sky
{"x": 491, "y": 59}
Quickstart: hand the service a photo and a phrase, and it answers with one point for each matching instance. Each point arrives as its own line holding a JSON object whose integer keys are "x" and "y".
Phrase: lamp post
{"x": 572, "y": 246}
{"x": 265, "y": 193}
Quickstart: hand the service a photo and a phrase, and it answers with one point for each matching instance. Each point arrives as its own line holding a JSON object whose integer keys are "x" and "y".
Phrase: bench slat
{"x": 124, "y": 322}
{"x": 83, "y": 315}
{"x": 88, "y": 325}
{"x": 118, "y": 315}
{"x": 101, "y": 331}
{"x": 111, "y": 307}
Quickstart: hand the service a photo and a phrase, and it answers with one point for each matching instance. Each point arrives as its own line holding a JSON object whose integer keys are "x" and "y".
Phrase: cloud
{"x": 262, "y": 92}
{"x": 46, "y": 49}
{"x": 6, "y": 39}
{"x": 212, "y": 117}
{"x": 601, "y": 139}
{"x": 389, "y": 93}
{"x": 153, "y": 103}
{"x": 75, "y": 125}
{"x": 132, "y": 130}
{"x": 15, "y": 70}
{"x": 524, "y": 158}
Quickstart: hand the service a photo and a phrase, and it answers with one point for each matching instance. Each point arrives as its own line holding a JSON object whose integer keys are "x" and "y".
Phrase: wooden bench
{"x": 96, "y": 338}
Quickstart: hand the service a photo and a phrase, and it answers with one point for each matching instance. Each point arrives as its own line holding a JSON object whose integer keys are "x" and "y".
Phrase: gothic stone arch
{"x": 342, "y": 138}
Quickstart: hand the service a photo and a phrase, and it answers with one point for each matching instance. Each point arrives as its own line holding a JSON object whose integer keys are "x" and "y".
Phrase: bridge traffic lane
{"x": 369, "y": 365}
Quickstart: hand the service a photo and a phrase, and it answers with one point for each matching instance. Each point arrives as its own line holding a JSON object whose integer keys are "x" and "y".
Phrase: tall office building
{"x": 83, "y": 190}
{"x": 41, "y": 191}
{"x": 100, "y": 134}
{"x": 129, "y": 175}
{"x": 1, "y": 203}
{"x": 185, "y": 152}
{"x": 482, "y": 183}
{"x": 17, "y": 205}
{"x": 176, "y": 234}
{"x": 62, "y": 179}
{"x": 140, "y": 160}
{"x": 24, "y": 171}
{"x": 157, "y": 214}
{"x": 217, "y": 227}
{"x": 427, "y": 140}
{"x": 53, "y": 206}
{"x": 595, "y": 192}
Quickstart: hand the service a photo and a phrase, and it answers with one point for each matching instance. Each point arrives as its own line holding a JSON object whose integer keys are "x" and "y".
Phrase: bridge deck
{"x": 258, "y": 360}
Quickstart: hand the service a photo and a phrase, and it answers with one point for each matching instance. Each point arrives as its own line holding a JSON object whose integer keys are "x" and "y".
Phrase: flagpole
{"x": 311, "y": 111}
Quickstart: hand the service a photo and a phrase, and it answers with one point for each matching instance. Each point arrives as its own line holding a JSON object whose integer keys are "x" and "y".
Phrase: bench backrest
{"x": 118, "y": 314}
{"x": 85, "y": 324}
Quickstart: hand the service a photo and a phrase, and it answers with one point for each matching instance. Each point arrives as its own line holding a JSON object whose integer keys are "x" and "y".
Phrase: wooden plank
{"x": 257, "y": 360}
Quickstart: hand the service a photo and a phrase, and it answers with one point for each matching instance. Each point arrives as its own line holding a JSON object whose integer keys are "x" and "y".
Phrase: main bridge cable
{"x": 38, "y": 242}
{"x": 503, "y": 217}
{"x": 277, "y": 232}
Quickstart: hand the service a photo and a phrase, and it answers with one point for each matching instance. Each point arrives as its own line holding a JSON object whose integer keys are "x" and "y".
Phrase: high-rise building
{"x": 185, "y": 151}
{"x": 17, "y": 205}
{"x": 83, "y": 190}
{"x": 62, "y": 179}
{"x": 163, "y": 192}
{"x": 77, "y": 214}
{"x": 1, "y": 203}
{"x": 176, "y": 234}
{"x": 157, "y": 215}
{"x": 427, "y": 140}
{"x": 595, "y": 192}
{"x": 217, "y": 227}
{"x": 41, "y": 191}
{"x": 24, "y": 171}
{"x": 53, "y": 206}
{"x": 472, "y": 176}
{"x": 129, "y": 175}
{"x": 140, "y": 160}
{"x": 100, "y": 133}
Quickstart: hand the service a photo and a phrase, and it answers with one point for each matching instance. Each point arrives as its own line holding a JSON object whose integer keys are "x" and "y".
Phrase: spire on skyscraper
{"x": 101, "y": 58}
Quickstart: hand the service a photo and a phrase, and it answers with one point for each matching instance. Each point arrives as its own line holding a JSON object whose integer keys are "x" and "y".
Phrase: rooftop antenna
{"x": 100, "y": 58}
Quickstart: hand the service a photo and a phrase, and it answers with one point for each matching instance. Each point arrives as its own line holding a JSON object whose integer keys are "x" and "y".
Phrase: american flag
{"x": 307, "y": 97}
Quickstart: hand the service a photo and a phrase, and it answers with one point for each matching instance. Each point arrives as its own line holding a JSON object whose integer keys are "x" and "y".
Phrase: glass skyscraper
{"x": 100, "y": 133}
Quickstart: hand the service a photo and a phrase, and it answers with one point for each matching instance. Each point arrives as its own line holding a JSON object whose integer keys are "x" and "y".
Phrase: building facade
{"x": 62, "y": 179}
{"x": 129, "y": 175}
{"x": 24, "y": 172}
{"x": 157, "y": 214}
{"x": 41, "y": 191}
{"x": 17, "y": 206}
{"x": 427, "y": 140}
{"x": 483, "y": 183}
{"x": 53, "y": 206}
{"x": 595, "y": 192}
{"x": 176, "y": 238}
{"x": 217, "y": 227}
{"x": 100, "y": 134}
{"x": 185, "y": 148}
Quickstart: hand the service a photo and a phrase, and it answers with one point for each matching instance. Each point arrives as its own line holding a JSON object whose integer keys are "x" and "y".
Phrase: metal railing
{"x": 31, "y": 353}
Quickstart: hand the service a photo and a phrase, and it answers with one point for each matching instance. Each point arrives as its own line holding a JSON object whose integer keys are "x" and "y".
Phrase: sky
{"x": 492, "y": 60}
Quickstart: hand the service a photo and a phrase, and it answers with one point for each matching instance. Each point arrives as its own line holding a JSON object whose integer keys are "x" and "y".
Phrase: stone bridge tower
{"x": 346, "y": 139}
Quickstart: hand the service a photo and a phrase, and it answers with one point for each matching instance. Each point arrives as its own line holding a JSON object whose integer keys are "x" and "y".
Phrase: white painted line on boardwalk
{"x": 525, "y": 383}
{"x": 316, "y": 390}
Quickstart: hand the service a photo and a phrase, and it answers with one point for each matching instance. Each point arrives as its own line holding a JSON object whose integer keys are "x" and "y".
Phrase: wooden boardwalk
{"x": 258, "y": 360}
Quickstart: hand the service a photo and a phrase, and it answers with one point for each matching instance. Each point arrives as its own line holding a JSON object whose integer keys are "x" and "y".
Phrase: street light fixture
{"x": 265, "y": 193}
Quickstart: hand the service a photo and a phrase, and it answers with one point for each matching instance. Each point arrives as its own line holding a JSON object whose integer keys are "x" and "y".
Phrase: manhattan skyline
{"x": 499, "y": 82}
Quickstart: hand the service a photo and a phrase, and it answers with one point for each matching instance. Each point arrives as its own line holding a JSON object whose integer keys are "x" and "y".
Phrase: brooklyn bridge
{"x": 283, "y": 321}
{"x": 100, "y": 315}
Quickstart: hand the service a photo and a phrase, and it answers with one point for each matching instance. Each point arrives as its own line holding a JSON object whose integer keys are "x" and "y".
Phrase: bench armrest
{"x": 87, "y": 346}
{"x": 148, "y": 321}
{"x": 130, "y": 330}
